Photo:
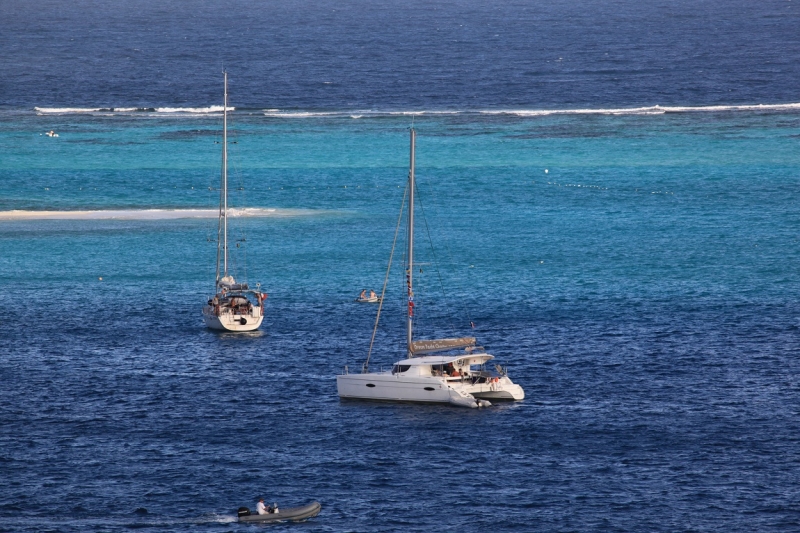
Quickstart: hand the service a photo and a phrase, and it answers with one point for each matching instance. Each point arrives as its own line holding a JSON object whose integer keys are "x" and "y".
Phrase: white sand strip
{"x": 150, "y": 214}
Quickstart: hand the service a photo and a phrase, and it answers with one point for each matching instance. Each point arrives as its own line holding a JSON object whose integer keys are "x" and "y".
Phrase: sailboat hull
{"x": 231, "y": 322}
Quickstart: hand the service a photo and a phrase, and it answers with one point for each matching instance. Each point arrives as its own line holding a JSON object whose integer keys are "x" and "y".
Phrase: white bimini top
{"x": 460, "y": 360}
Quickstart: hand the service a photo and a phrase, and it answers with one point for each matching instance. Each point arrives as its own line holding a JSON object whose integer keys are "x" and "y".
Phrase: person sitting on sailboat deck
{"x": 363, "y": 295}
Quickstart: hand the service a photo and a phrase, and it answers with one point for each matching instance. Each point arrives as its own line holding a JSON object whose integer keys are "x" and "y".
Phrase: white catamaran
{"x": 234, "y": 307}
{"x": 458, "y": 377}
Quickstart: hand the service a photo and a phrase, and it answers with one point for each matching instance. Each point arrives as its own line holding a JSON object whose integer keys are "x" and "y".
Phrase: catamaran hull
{"x": 389, "y": 387}
{"x": 511, "y": 392}
{"x": 229, "y": 322}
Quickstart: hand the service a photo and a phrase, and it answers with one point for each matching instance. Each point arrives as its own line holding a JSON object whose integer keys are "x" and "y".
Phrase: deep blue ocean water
{"x": 636, "y": 267}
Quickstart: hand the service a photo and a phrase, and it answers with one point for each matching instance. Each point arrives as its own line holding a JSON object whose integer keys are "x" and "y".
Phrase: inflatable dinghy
{"x": 291, "y": 514}
{"x": 375, "y": 300}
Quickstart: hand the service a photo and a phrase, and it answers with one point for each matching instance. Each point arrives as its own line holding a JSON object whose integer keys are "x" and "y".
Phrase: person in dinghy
{"x": 370, "y": 298}
{"x": 263, "y": 509}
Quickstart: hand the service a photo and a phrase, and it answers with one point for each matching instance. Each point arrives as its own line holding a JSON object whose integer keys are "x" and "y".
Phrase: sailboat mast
{"x": 410, "y": 271}
{"x": 225, "y": 175}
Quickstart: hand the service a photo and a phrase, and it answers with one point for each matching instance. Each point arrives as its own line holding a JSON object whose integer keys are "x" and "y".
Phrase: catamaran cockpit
{"x": 457, "y": 368}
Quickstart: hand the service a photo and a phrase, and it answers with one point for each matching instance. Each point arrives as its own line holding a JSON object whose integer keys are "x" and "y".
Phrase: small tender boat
{"x": 292, "y": 514}
{"x": 373, "y": 300}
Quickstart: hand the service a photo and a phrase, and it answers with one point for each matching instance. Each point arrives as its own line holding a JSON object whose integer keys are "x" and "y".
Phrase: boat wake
{"x": 218, "y": 519}
{"x": 151, "y": 214}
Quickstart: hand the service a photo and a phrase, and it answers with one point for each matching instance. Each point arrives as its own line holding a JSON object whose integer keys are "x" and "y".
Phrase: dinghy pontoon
{"x": 292, "y": 514}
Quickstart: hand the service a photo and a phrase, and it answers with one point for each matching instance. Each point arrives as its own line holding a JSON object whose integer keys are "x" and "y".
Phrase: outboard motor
{"x": 244, "y": 511}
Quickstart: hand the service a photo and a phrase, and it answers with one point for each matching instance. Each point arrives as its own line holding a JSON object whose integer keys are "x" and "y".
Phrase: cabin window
{"x": 399, "y": 369}
{"x": 370, "y": 385}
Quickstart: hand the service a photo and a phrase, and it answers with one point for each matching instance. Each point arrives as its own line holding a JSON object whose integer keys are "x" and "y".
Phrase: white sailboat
{"x": 457, "y": 375}
{"x": 234, "y": 306}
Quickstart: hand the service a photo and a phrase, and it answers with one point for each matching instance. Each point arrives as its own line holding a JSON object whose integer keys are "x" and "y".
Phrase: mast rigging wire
{"x": 365, "y": 368}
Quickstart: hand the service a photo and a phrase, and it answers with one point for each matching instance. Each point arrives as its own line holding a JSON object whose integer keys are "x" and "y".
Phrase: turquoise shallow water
{"x": 643, "y": 290}
{"x": 696, "y": 204}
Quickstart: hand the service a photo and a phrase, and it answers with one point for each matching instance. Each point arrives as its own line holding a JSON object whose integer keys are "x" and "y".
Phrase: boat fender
{"x": 244, "y": 511}
{"x": 243, "y": 321}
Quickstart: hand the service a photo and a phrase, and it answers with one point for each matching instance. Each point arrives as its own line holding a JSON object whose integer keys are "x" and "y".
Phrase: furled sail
{"x": 230, "y": 284}
{"x": 440, "y": 345}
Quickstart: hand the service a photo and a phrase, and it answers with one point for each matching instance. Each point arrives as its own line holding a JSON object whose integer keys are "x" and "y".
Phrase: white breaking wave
{"x": 151, "y": 214}
{"x": 126, "y": 110}
{"x": 62, "y": 110}
{"x": 303, "y": 114}
{"x": 650, "y": 110}
{"x": 193, "y": 110}
{"x": 646, "y": 110}
{"x": 370, "y": 113}
{"x": 356, "y": 114}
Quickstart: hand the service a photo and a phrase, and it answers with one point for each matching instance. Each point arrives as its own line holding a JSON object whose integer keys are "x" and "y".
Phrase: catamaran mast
{"x": 225, "y": 175}
{"x": 410, "y": 271}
